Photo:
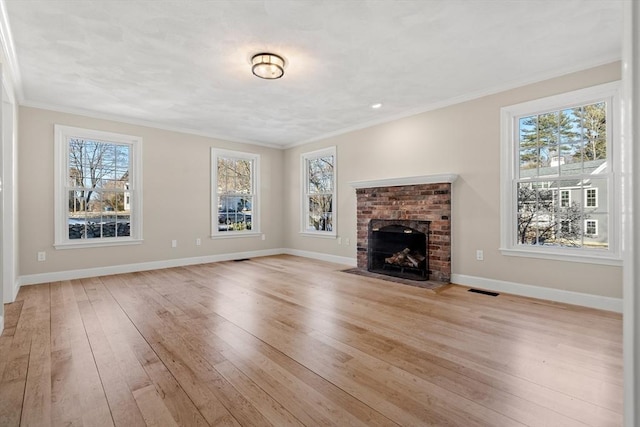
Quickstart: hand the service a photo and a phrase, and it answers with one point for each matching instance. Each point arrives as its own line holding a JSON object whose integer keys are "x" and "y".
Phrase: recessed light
{"x": 376, "y": 106}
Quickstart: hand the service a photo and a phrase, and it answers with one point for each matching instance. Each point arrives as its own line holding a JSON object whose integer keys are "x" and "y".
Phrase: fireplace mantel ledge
{"x": 408, "y": 180}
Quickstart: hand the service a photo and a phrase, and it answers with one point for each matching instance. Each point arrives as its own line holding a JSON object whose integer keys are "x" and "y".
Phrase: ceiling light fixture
{"x": 376, "y": 106}
{"x": 267, "y": 66}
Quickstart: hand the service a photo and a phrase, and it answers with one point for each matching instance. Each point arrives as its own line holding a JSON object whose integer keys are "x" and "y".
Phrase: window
{"x": 558, "y": 164}
{"x": 591, "y": 227}
{"x": 565, "y": 198}
{"x": 98, "y": 184}
{"x": 591, "y": 197}
{"x": 234, "y": 181}
{"x": 319, "y": 192}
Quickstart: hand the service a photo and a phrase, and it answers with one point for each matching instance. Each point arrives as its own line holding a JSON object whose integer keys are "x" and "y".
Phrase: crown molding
{"x": 138, "y": 122}
{"x": 10, "y": 57}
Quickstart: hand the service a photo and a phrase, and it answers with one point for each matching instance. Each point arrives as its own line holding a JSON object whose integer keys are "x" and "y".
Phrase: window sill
{"x": 234, "y": 234}
{"x": 97, "y": 243}
{"x": 602, "y": 258}
{"x": 319, "y": 234}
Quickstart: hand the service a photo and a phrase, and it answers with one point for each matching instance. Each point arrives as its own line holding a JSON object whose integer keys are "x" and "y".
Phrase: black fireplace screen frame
{"x": 403, "y": 239}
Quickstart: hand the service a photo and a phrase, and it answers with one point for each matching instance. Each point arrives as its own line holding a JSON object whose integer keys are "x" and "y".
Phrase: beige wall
{"x": 462, "y": 139}
{"x": 176, "y": 199}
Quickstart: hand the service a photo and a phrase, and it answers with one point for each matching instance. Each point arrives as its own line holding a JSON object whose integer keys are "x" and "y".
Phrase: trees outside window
{"x": 96, "y": 178}
{"x": 234, "y": 200}
{"x": 319, "y": 192}
{"x": 561, "y": 177}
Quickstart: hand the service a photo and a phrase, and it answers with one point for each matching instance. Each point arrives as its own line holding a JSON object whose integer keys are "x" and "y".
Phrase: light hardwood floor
{"x": 291, "y": 341}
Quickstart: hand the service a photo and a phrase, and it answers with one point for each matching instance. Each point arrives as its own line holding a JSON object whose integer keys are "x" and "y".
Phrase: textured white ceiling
{"x": 185, "y": 64}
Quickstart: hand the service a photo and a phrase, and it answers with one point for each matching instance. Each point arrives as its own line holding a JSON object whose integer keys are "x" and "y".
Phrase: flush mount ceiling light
{"x": 267, "y": 66}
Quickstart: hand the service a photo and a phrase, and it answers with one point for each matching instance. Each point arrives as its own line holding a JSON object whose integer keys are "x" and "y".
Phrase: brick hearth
{"x": 420, "y": 202}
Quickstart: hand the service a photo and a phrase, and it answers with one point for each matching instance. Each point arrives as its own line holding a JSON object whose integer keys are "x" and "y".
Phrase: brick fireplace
{"x": 426, "y": 198}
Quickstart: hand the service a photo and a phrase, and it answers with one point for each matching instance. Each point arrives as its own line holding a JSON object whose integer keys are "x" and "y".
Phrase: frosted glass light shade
{"x": 267, "y": 66}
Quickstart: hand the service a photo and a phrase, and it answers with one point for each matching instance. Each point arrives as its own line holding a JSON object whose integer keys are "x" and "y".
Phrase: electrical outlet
{"x": 42, "y": 256}
{"x": 479, "y": 255}
{"x": 339, "y": 240}
{"x": 174, "y": 243}
{"x": 346, "y": 241}
{"x": 264, "y": 237}
{"x": 198, "y": 242}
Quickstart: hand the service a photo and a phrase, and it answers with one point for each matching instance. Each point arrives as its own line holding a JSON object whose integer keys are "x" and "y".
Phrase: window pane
{"x": 320, "y": 213}
{"x": 234, "y": 213}
{"x": 76, "y": 226}
{"x": 570, "y": 147}
{"x": 320, "y": 174}
{"x": 536, "y": 212}
{"x": 243, "y": 181}
{"x": 594, "y": 131}
{"x": 234, "y": 176}
{"x": 123, "y": 225}
{"x": 568, "y": 231}
{"x": 596, "y": 230}
{"x": 528, "y": 162}
{"x": 528, "y": 133}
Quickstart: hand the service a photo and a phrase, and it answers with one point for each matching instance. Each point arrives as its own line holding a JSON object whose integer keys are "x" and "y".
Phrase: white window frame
{"x": 586, "y": 198}
{"x": 568, "y": 192}
{"x": 304, "y": 192}
{"x": 595, "y": 225}
{"x": 217, "y": 153}
{"x": 62, "y": 134}
{"x": 509, "y": 169}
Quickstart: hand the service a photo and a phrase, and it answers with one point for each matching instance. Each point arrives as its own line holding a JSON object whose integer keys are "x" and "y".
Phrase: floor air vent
{"x": 479, "y": 291}
{"x": 241, "y": 259}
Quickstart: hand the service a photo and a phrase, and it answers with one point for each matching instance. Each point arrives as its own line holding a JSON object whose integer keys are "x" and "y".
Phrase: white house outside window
{"x": 234, "y": 180}
{"x": 98, "y": 187}
{"x": 319, "y": 192}
{"x": 558, "y": 177}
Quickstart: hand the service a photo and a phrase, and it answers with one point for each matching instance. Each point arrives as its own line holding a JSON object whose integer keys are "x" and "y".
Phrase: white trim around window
{"x": 591, "y": 224}
{"x": 510, "y": 164}
{"x": 565, "y": 202}
{"x": 591, "y": 202}
{"x": 322, "y": 223}
{"x": 129, "y": 164}
{"x": 234, "y": 222}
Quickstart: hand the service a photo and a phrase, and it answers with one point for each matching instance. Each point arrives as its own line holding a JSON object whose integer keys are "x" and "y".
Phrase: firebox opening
{"x": 398, "y": 250}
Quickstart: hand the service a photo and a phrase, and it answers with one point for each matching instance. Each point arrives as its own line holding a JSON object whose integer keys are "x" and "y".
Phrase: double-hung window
{"x": 319, "y": 192}
{"x": 98, "y": 188}
{"x": 234, "y": 202}
{"x": 558, "y": 180}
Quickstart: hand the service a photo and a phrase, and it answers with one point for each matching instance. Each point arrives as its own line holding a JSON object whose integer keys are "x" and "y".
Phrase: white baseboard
{"x": 352, "y": 262}
{"x": 568, "y": 297}
{"x": 1, "y": 323}
{"x": 550, "y": 294}
{"x": 33, "y": 279}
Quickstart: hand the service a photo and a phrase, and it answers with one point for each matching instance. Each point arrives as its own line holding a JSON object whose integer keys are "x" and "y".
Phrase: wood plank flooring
{"x": 288, "y": 341}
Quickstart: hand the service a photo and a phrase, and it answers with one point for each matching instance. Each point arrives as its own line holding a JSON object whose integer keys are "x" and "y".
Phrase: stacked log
{"x": 405, "y": 258}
